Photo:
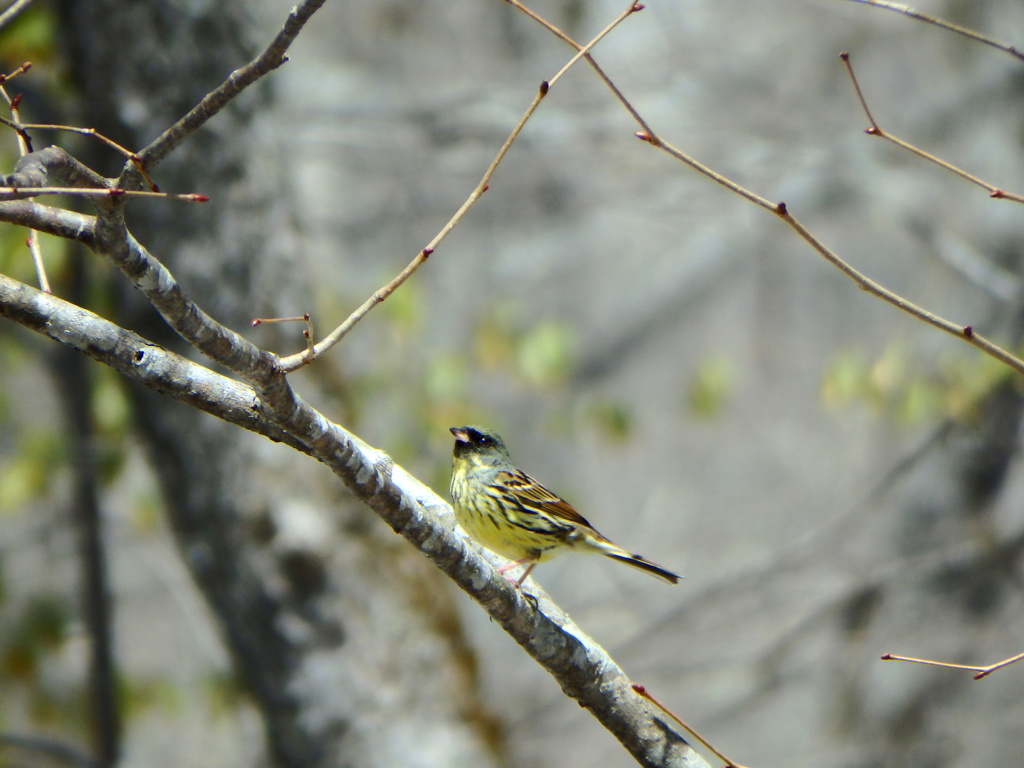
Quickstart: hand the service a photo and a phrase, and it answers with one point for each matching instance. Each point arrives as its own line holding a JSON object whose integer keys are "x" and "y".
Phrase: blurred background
{"x": 834, "y": 479}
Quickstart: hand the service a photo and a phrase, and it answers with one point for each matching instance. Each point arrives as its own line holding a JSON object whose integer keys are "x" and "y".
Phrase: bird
{"x": 510, "y": 513}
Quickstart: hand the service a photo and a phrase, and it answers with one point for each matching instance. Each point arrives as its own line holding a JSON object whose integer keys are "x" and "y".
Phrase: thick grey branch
{"x": 53, "y": 221}
{"x": 270, "y": 407}
{"x": 216, "y": 341}
{"x": 138, "y": 359}
{"x": 219, "y": 343}
{"x": 582, "y": 668}
{"x": 51, "y": 167}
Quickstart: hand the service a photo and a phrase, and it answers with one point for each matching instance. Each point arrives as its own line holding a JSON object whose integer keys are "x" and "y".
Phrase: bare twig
{"x": 159, "y": 286}
{"x": 590, "y": 60}
{"x": 23, "y": 128}
{"x": 294, "y": 362}
{"x": 10, "y": 75}
{"x": 647, "y": 134}
{"x": 271, "y": 58}
{"x": 307, "y": 333}
{"x": 981, "y": 671}
{"x": 906, "y": 10}
{"x": 53, "y": 167}
{"x": 876, "y": 130}
{"x": 27, "y": 193}
{"x": 24, "y": 148}
{"x": 642, "y": 690}
{"x": 964, "y": 332}
{"x": 32, "y": 243}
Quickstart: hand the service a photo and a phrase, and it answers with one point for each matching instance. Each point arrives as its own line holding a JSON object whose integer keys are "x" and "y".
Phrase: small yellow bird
{"x": 512, "y": 514}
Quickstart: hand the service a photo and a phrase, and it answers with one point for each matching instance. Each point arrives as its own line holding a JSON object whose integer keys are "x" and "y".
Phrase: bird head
{"x": 479, "y": 445}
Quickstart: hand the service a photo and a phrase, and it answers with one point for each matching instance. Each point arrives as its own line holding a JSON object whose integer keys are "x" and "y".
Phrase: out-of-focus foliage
{"x": 27, "y": 471}
{"x": 900, "y": 385}
{"x": 613, "y": 418}
{"x": 29, "y": 38}
{"x": 39, "y": 630}
{"x": 536, "y": 351}
{"x": 711, "y": 385}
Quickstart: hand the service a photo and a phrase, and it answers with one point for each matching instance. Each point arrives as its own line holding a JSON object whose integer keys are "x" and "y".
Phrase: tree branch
{"x": 582, "y": 668}
{"x": 165, "y": 372}
{"x": 53, "y": 167}
{"x": 646, "y": 134}
{"x": 912, "y": 13}
{"x": 296, "y": 361}
{"x": 52, "y": 221}
{"x": 271, "y": 58}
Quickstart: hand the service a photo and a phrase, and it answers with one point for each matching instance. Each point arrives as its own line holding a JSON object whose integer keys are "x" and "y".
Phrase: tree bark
{"x": 330, "y": 637}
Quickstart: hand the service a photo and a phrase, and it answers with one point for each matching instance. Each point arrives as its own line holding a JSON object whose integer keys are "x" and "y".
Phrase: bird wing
{"x": 532, "y": 496}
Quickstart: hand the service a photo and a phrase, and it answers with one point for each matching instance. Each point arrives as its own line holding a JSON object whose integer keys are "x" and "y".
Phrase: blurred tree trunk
{"x": 348, "y": 643}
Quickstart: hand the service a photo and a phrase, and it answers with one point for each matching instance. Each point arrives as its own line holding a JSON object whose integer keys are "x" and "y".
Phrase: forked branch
{"x": 304, "y": 358}
{"x": 648, "y": 135}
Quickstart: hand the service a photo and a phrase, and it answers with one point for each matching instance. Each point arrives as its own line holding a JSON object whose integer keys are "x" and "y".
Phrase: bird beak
{"x": 460, "y": 434}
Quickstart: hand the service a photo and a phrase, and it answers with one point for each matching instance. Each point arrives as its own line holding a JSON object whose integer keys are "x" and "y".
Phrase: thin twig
{"x": 906, "y": 10}
{"x": 642, "y": 690}
{"x": 308, "y": 332}
{"x": 24, "y": 148}
{"x": 647, "y": 134}
{"x": 132, "y": 157}
{"x": 590, "y": 60}
{"x": 294, "y": 362}
{"x": 19, "y": 71}
{"x": 23, "y": 193}
{"x": 271, "y": 58}
{"x": 964, "y": 332}
{"x": 981, "y": 671}
{"x": 876, "y": 130}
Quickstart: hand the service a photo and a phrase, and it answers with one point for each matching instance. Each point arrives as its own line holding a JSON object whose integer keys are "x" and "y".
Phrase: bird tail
{"x": 645, "y": 565}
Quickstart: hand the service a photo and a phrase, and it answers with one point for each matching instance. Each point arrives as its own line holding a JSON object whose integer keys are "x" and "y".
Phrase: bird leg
{"x": 532, "y": 563}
